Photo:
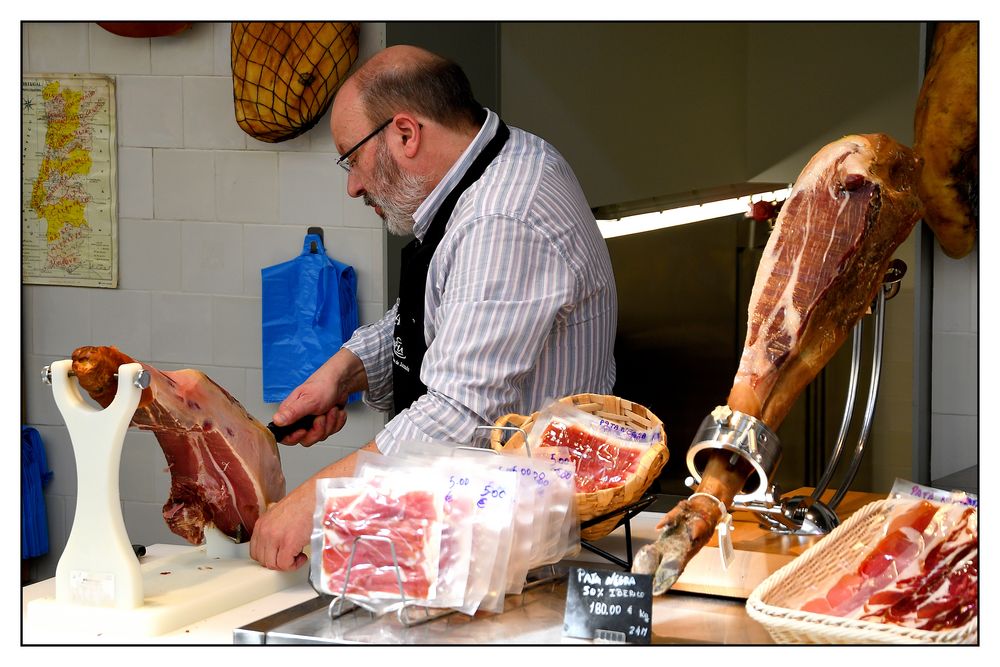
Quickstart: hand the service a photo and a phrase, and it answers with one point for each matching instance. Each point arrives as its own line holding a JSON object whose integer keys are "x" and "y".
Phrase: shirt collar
{"x": 424, "y": 214}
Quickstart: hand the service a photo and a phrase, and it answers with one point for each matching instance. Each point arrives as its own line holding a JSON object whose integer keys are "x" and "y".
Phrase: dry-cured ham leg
{"x": 822, "y": 267}
{"x": 224, "y": 464}
{"x": 946, "y": 136}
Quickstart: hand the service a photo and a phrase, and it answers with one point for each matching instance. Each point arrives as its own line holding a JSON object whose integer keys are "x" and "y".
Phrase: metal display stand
{"x": 750, "y": 439}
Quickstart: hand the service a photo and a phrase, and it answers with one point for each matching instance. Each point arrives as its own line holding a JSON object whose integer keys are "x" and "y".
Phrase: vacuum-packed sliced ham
{"x": 822, "y": 267}
{"x": 407, "y": 524}
{"x": 224, "y": 464}
{"x": 600, "y": 462}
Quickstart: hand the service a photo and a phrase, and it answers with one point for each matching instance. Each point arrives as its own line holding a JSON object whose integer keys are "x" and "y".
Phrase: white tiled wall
{"x": 202, "y": 208}
{"x": 955, "y": 367}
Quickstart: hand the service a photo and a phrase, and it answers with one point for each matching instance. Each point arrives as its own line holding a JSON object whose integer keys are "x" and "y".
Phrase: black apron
{"x": 409, "y": 346}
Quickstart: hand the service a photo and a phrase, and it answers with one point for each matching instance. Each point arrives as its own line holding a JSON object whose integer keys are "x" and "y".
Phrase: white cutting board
{"x": 178, "y": 589}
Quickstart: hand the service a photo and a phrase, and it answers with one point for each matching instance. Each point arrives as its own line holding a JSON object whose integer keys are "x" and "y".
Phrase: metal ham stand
{"x": 750, "y": 439}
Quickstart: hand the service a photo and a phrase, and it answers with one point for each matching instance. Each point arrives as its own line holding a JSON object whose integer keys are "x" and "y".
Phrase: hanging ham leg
{"x": 224, "y": 464}
{"x": 849, "y": 210}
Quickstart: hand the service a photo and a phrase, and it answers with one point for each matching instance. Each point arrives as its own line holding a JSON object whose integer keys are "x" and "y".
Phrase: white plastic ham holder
{"x": 102, "y": 591}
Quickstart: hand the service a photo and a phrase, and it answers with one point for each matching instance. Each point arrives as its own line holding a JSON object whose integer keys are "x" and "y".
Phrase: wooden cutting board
{"x": 759, "y": 552}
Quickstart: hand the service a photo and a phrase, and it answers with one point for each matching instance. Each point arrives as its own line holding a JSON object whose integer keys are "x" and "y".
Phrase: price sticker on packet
{"x": 608, "y": 605}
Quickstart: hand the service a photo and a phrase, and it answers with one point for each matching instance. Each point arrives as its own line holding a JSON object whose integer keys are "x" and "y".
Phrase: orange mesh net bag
{"x": 285, "y": 74}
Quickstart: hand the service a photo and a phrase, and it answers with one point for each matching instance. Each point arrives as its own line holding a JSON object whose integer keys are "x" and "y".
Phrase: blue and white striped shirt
{"x": 520, "y": 306}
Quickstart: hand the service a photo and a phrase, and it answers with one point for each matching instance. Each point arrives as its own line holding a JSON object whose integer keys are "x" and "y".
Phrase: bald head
{"x": 408, "y": 78}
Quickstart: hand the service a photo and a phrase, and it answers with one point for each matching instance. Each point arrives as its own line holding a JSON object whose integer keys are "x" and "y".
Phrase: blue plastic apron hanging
{"x": 309, "y": 308}
{"x": 35, "y": 474}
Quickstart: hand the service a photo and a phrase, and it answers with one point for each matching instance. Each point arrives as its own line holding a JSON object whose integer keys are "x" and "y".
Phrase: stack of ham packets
{"x": 436, "y": 525}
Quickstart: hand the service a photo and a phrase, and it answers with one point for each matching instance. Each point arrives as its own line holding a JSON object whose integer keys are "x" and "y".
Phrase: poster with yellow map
{"x": 69, "y": 215}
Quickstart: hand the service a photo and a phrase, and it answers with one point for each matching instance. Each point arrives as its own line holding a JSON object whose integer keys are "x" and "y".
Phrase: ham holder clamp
{"x": 748, "y": 438}
{"x": 102, "y": 590}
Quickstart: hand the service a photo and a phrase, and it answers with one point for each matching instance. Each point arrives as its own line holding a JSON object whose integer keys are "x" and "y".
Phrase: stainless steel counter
{"x": 532, "y": 618}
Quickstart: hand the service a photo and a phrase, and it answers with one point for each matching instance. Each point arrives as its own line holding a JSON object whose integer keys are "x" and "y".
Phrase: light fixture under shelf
{"x": 683, "y": 208}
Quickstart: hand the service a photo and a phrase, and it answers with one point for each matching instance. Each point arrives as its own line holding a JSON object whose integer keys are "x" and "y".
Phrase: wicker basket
{"x": 822, "y": 562}
{"x": 620, "y": 411}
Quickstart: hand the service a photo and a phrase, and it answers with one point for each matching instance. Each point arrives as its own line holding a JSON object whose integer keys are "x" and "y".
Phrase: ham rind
{"x": 853, "y": 204}
{"x": 224, "y": 464}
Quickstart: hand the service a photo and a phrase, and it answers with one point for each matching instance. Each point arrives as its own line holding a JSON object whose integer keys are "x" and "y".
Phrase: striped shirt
{"x": 520, "y": 306}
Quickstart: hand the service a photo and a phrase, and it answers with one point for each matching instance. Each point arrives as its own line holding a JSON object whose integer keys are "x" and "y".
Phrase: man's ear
{"x": 408, "y": 130}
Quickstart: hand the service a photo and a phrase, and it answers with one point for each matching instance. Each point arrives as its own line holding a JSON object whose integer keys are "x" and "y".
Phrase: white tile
{"x": 141, "y": 459}
{"x": 309, "y": 192}
{"x": 246, "y": 186}
{"x": 370, "y": 312}
{"x": 222, "y": 49}
{"x": 973, "y": 259}
{"x": 355, "y": 213}
{"x": 361, "y": 249}
{"x": 150, "y": 111}
{"x": 254, "y": 402}
{"x": 300, "y": 463}
{"x": 44, "y": 567}
{"x": 953, "y": 298}
{"x": 237, "y": 332}
{"x": 209, "y": 116}
{"x": 184, "y": 184}
{"x": 58, "y": 47}
{"x": 954, "y": 444}
{"x": 182, "y": 328}
{"x": 135, "y": 182}
{"x": 212, "y": 258}
{"x": 187, "y": 53}
{"x": 371, "y": 40}
{"x": 954, "y": 368}
{"x": 114, "y": 54}
{"x": 61, "y": 320}
{"x": 122, "y": 319}
{"x": 267, "y": 245}
{"x": 145, "y": 524}
{"x": 61, "y": 459}
{"x": 39, "y": 404}
{"x": 320, "y": 138}
{"x": 149, "y": 255}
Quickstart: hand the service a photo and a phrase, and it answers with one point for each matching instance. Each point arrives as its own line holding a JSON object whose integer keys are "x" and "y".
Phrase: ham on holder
{"x": 224, "y": 464}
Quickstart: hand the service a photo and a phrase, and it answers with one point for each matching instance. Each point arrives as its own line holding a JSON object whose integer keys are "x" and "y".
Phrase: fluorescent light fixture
{"x": 645, "y": 222}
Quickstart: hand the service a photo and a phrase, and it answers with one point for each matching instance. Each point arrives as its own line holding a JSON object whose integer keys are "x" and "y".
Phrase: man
{"x": 507, "y": 297}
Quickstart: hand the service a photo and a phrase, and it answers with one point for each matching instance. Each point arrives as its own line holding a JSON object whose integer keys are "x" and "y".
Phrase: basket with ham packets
{"x": 617, "y": 447}
{"x": 903, "y": 570}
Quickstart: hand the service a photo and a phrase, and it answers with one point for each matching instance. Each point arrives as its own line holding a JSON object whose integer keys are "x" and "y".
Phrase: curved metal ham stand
{"x": 749, "y": 438}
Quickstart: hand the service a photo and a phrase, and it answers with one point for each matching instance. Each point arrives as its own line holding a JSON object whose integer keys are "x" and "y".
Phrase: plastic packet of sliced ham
{"x": 494, "y": 501}
{"x": 554, "y": 495}
{"x": 605, "y": 453}
{"x": 564, "y": 522}
{"x": 457, "y": 517}
{"x": 921, "y": 572}
{"x": 356, "y": 521}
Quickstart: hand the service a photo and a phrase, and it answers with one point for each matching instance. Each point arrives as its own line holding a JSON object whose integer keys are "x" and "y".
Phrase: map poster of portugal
{"x": 69, "y": 212}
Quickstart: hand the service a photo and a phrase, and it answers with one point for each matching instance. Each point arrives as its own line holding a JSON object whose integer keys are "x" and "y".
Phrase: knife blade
{"x": 282, "y": 431}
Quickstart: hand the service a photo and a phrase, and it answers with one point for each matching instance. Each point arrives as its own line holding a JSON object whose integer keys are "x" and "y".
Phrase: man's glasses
{"x": 344, "y": 162}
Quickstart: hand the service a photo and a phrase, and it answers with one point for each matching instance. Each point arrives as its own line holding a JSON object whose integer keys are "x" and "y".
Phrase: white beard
{"x": 408, "y": 192}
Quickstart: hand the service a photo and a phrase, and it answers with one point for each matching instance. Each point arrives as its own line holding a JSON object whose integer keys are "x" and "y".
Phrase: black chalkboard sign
{"x": 609, "y": 606}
